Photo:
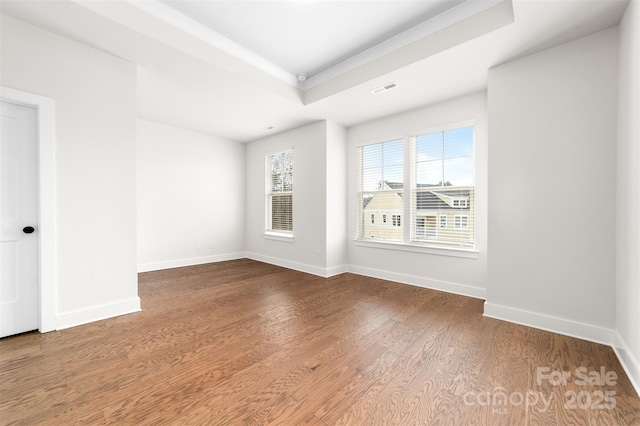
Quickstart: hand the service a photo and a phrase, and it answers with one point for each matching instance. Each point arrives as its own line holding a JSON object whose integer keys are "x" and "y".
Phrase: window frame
{"x": 460, "y": 203}
{"x": 269, "y": 232}
{"x": 457, "y": 202}
{"x": 361, "y": 192}
{"x": 428, "y": 247}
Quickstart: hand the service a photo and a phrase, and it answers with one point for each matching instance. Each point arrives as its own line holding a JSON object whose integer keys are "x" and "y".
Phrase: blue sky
{"x": 445, "y": 157}
{"x": 382, "y": 162}
{"x": 440, "y": 157}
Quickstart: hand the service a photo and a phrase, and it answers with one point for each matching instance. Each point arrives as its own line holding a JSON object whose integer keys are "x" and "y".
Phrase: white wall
{"x": 454, "y": 274}
{"x": 336, "y": 198}
{"x": 95, "y": 122}
{"x": 307, "y": 251}
{"x": 628, "y": 196}
{"x": 190, "y": 197}
{"x": 552, "y": 196}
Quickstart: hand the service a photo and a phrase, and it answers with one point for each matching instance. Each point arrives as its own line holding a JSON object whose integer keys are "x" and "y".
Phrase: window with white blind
{"x": 442, "y": 185}
{"x": 381, "y": 188}
{"x": 439, "y": 204}
{"x": 279, "y": 182}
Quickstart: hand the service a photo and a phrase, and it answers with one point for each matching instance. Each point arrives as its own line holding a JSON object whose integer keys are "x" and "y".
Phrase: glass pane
{"x": 429, "y": 147}
{"x": 428, "y": 158}
{"x": 372, "y": 156}
{"x": 282, "y": 213}
{"x": 371, "y": 167}
{"x": 429, "y": 173}
{"x": 287, "y": 181}
{"x": 276, "y": 183}
{"x": 366, "y": 199}
{"x": 380, "y": 211}
{"x": 393, "y": 156}
{"x": 458, "y": 142}
{"x": 458, "y": 171}
{"x": 281, "y": 171}
{"x": 443, "y": 161}
{"x": 382, "y": 164}
{"x": 427, "y": 200}
{"x": 459, "y": 156}
{"x": 371, "y": 180}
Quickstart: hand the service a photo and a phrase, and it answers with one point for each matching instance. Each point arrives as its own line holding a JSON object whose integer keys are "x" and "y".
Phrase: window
{"x": 381, "y": 188}
{"x": 461, "y": 222}
{"x": 460, "y": 202}
{"x": 441, "y": 178}
{"x": 279, "y": 214}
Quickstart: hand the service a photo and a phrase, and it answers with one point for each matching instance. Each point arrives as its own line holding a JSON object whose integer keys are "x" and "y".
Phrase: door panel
{"x": 19, "y": 279}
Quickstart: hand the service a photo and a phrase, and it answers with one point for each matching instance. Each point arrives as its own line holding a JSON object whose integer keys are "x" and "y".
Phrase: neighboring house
{"x": 382, "y": 214}
{"x": 444, "y": 214}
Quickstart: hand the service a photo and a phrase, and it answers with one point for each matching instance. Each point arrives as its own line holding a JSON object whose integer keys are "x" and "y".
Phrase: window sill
{"x": 279, "y": 236}
{"x": 467, "y": 253}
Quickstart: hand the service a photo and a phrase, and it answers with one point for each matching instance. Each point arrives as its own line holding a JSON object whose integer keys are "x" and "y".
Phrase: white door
{"x": 19, "y": 282}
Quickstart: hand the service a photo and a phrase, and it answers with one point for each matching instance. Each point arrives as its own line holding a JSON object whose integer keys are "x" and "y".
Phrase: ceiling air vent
{"x": 384, "y": 88}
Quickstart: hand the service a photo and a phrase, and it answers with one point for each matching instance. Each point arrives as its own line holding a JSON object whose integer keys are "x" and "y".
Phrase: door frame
{"x": 46, "y": 199}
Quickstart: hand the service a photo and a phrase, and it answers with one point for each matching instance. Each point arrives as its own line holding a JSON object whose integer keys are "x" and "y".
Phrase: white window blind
{"x": 279, "y": 182}
{"x": 381, "y": 189}
{"x": 442, "y": 187}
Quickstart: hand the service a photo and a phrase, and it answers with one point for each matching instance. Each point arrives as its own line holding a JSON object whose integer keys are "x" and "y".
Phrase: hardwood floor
{"x": 242, "y": 342}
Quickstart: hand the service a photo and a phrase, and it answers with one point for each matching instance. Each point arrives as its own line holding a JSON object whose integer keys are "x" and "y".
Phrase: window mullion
{"x": 443, "y": 152}
{"x": 407, "y": 192}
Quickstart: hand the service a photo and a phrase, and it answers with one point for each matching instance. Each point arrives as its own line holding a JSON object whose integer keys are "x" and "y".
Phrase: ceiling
{"x": 228, "y": 68}
{"x": 308, "y": 37}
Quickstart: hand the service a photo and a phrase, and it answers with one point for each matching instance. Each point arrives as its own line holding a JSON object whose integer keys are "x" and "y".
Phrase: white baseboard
{"x": 97, "y": 313}
{"x": 302, "y": 267}
{"x": 168, "y": 264}
{"x": 630, "y": 364}
{"x": 570, "y": 328}
{"x": 336, "y": 270}
{"x": 449, "y": 287}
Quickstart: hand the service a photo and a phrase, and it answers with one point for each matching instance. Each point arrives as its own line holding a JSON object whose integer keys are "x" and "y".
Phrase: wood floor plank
{"x": 243, "y": 342}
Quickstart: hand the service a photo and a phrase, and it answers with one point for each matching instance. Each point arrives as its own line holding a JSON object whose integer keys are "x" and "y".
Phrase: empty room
{"x": 324, "y": 212}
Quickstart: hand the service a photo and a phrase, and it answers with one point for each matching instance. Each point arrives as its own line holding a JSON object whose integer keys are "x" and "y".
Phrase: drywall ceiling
{"x": 310, "y": 36}
{"x": 196, "y": 73}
